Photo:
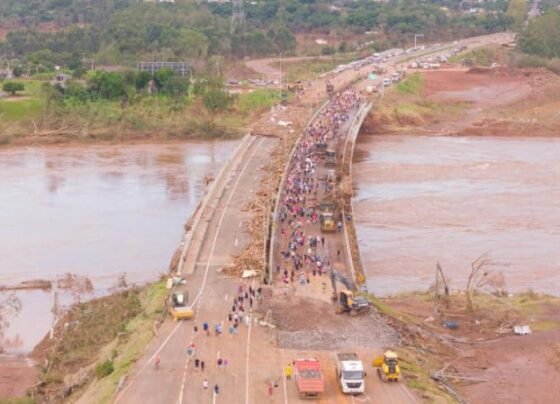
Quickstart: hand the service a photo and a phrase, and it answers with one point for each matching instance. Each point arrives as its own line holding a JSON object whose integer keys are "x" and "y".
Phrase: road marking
{"x": 235, "y": 243}
{"x": 247, "y": 351}
{"x": 221, "y": 221}
{"x": 409, "y": 393}
{"x": 214, "y": 396}
{"x": 226, "y": 297}
{"x": 218, "y": 355}
{"x": 284, "y": 378}
{"x": 148, "y": 362}
{"x": 197, "y": 299}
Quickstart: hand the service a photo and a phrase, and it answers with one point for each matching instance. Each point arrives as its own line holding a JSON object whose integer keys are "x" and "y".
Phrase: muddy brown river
{"x": 420, "y": 200}
{"x": 97, "y": 211}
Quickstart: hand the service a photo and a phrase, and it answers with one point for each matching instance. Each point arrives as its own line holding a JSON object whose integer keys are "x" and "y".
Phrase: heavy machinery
{"x": 321, "y": 149}
{"x": 330, "y": 158}
{"x": 326, "y": 216}
{"x": 388, "y": 367}
{"x": 309, "y": 378}
{"x": 178, "y": 308}
{"x": 330, "y": 88}
{"x": 350, "y": 373}
{"x": 347, "y": 302}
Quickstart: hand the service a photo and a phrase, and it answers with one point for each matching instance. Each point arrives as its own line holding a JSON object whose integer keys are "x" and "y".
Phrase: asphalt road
{"x": 253, "y": 361}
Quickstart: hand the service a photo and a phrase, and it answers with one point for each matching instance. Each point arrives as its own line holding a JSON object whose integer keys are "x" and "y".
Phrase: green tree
{"x": 107, "y": 85}
{"x": 542, "y": 35}
{"x": 12, "y": 87}
{"x": 141, "y": 80}
{"x": 176, "y": 86}
{"x": 516, "y": 13}
{"x": 162, "y": 76}
{"x": 216, "y": 99}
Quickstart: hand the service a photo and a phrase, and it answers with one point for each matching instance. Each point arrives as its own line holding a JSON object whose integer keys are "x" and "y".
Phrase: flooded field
{"x": 96, "y": 211}
{"x": 420, "y": 200}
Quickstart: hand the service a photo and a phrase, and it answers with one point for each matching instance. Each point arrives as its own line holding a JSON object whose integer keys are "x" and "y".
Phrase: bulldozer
{"x": 388, "y": 367}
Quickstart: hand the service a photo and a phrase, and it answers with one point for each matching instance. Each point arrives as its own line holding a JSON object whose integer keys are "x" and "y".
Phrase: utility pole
{"x": 237, "y": 17}
{"x": 416, "y": 36}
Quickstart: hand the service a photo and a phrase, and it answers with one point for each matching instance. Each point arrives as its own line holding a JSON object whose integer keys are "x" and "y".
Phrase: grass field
{"x": 413, "y": 85}
{"x": 146, "y": 116}
{"x": 25, "y": 105}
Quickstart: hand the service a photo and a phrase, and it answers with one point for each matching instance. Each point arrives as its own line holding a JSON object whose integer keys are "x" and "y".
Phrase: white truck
{"x": 350, "y": 373}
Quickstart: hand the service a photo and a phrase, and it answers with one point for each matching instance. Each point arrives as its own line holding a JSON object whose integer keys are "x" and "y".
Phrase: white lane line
{"x": 197, "y": 299}
{"x": 284, "y": 378}
{"x": 235, "y": 243}
{"x": 222, "y": 220}
{"x": 148, "y": 362}
{"x": 247, "y": 351}
{"x": 409, "y": 394}
{"x": 214, "y": 396}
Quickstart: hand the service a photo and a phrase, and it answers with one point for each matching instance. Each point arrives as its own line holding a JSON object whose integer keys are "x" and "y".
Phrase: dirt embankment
{"x": 482, "y": 360}
{"x": 479, "y": 101}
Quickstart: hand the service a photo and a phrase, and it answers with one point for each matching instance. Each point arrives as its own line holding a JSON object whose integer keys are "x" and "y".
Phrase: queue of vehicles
{"x": 350, "y": 373}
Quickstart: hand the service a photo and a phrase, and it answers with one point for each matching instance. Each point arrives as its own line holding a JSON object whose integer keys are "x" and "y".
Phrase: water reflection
{"x": 425, "y": 199}
{"x": 95, "y": 211}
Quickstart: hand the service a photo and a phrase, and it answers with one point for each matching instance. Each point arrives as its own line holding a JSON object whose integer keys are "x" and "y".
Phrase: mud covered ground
{"x": 308, "y": 323}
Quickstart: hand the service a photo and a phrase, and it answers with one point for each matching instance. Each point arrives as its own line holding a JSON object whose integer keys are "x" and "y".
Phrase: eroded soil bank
{"x": 424, "y": 196}
{"x": 467, "y": 166}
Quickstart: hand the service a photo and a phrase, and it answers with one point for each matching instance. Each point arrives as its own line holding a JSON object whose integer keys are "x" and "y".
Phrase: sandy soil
{"x": 503, "y": 367}
{"x": 496, "y": 102}
{"x": 17, "y": 374}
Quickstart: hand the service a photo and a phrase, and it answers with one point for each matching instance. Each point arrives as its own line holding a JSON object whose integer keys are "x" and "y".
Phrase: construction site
{"x": 275, "y": 278}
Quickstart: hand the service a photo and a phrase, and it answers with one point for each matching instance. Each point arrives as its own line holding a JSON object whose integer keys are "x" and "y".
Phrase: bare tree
{"x": 10, "y": 306}
{"x": 483, "y": 274}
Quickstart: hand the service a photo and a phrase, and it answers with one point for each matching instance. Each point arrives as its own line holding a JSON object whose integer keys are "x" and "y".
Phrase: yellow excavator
{"x": 347, "y": 301}
{"x": 388, "y": 367}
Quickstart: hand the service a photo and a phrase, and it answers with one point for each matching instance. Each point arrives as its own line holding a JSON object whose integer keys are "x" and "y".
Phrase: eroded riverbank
{"x": 96, "y": 211}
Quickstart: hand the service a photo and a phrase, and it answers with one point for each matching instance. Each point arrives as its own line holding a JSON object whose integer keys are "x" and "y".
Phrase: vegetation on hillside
{"x": 541, "y": 37}
{"x": 125, "y": 31}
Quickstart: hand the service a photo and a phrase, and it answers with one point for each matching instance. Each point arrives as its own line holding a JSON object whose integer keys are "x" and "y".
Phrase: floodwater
{"x": 420, "y": 200}
{"x": 97, "y": 211}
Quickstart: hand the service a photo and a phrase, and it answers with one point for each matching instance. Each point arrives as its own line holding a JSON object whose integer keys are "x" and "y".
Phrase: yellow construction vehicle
{"x": 348, "y": 303}
{"x": 326, "y": 216}
{"x": 388, "y": 367}
{"x": 178, "y": 308}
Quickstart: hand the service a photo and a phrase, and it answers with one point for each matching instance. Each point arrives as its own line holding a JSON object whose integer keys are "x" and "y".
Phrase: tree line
{"x": 123, "y": 31}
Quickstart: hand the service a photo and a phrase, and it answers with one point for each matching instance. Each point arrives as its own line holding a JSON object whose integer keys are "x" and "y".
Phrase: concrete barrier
{"x": 358, "y": 275}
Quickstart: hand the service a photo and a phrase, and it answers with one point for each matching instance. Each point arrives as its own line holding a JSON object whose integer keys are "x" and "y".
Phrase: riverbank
{"x": 461, "y": 163}
{"x": 476, "y": 102}
{"x": 30, "y": 119}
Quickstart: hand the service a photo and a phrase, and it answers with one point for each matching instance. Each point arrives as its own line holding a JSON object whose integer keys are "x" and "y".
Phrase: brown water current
{"x": 96, "y": 211}
{"x": 422, "y": 199}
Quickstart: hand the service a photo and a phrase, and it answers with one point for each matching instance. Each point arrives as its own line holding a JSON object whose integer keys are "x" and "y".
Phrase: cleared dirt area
{"x": 308, "y": 323}
{"x": 479, "y": 101}
{"x": 482, "y": 358}
{"x": 17, "y": 374}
